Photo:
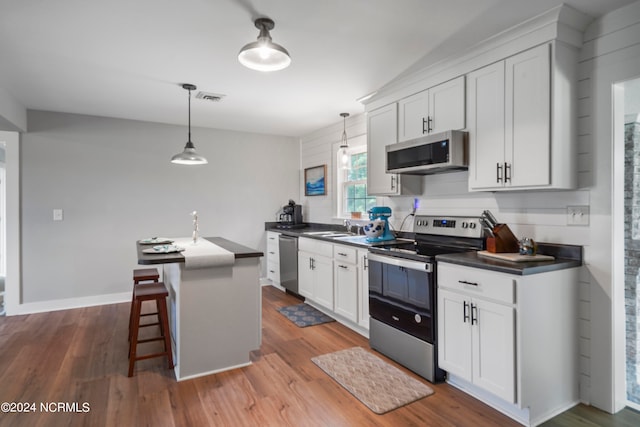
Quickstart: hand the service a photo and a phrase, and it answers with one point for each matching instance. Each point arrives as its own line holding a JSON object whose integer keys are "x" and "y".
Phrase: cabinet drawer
{"x": 315, "y": 247}
{"x": 272, "y": 245}
{"x": 273, "y": 252}
{"x": 344, "y": 253}
{"x": 477, "y": 282}
{"x": 273, "y": 271}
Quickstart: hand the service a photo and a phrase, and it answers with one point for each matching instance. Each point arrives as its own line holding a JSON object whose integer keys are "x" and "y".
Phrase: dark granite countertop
{"x": 566, "y": 256}
{"x": 355, "y": 240}
{"x": 239, "y": 251}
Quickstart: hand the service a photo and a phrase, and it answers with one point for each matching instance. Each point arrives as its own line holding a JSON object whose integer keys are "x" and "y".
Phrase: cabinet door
{"x": 363, "y": 288}
{"x": 454, "y": 334}
{"x": 528, "y": 118}
{"x": 323, "y": 281}
{"x": 382, "y": 125}
{"x": 413, "y": 112}
{"x": 305, "y": 275}
{"x": 447, "y": 106}
{"x": 485, "y": 119}
{"x": 494, "y": 348}
{"x": 346, "y": 290}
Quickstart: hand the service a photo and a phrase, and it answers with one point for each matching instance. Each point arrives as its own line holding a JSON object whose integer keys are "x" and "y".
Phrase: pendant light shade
{"x": 189, "y": 155}
{"x": 264, "y": 55}
{"x": 344, "y": 145}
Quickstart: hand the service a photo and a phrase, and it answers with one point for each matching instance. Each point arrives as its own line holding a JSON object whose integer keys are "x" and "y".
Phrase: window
{"x": 353, "y": 183}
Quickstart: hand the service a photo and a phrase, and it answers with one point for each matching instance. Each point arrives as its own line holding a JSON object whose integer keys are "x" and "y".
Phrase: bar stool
{"x": 143, "y": 275}
{"x": 149, "y": 292}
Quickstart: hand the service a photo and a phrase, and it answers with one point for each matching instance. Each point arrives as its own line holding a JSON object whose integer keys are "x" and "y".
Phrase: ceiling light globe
{"x": 264, "y": 56}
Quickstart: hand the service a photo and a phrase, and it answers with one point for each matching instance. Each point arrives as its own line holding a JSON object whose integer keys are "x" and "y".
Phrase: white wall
{"x": 13, "y": 115}
{"x": 320, "y": 148}
{"x": 114, "y": 181}
{"x": 611, "y": 54}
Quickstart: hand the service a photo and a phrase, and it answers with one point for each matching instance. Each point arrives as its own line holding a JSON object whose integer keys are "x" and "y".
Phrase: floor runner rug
{"x": 379, "y": 385}
{"x": 304, "y": 315}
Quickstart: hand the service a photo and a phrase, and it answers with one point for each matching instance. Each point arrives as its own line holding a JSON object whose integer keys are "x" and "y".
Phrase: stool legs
{"x": 148, "y": 292}
{"x": 139, "y": 276}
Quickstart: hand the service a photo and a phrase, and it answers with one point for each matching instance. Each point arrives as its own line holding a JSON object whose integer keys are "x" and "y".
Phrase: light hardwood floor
{"x": 79, "y": 356}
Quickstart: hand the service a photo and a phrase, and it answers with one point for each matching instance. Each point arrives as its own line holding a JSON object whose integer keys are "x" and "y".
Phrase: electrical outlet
{"x": 577, "y": 215}
{"x": 57, "y": 215}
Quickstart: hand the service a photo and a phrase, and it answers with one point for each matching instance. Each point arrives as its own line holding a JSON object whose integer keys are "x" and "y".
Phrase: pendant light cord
{"x": 189, "y": 115}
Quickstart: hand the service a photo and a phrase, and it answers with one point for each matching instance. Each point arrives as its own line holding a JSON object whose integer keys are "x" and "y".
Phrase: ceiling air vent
{"x": 208, "y": 96}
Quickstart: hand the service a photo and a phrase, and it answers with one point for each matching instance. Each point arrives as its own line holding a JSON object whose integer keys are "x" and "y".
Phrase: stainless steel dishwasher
{"x": 288, "y": 247}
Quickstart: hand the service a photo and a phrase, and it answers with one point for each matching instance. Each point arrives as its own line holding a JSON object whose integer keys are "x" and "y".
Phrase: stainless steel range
{"x": 402, "y": 290}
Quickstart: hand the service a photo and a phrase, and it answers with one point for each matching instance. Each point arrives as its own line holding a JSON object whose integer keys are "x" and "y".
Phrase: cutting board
{"x": 516, "y": 257}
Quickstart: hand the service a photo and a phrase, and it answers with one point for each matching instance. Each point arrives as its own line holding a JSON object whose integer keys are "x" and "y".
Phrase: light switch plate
{"x": 577, "y": 215}
{"x": 57, "y": 215}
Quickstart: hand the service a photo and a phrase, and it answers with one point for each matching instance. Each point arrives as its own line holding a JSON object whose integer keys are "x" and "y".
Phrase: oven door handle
{"x": 400, "y": 262}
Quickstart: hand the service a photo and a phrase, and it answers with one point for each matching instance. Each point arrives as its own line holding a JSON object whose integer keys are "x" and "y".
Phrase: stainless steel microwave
{"x": 441, "y": 152}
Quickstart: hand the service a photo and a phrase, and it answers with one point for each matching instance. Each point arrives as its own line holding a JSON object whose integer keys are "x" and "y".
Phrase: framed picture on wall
{"x": 315, "y": 181}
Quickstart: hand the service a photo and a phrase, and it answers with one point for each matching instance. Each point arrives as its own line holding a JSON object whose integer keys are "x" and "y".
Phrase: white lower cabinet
{"x": 363, "y": 288}
{"x": 315, "y": 271}
{"x": 477, "y": 342}
{"x": 346, "y": 282}
{"x": 510, "y": 340}
{"x": 273, "y": 257}
{"x": 334, "y": 277}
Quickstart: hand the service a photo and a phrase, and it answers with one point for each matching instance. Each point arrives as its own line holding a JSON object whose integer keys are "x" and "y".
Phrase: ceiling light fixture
{"x": 264, "y": 55}
{"x": 344, "y": 145}
{"x": 189, "y": 155}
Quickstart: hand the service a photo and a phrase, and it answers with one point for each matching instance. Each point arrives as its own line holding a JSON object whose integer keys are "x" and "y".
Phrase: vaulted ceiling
{"x": 128, "y": 59}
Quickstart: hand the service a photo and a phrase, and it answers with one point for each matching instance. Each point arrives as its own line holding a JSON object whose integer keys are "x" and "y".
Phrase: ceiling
{"x": 128, "y": 59}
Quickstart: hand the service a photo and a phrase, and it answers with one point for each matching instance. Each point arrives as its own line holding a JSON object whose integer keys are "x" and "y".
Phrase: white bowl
{"x": 374, "y": 228}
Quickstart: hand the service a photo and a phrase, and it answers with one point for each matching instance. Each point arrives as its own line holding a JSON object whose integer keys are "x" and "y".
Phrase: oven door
{"x": 402, "y": 295}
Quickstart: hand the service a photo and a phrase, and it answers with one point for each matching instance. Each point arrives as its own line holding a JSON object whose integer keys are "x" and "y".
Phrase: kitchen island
{"x": 215, "y": 312}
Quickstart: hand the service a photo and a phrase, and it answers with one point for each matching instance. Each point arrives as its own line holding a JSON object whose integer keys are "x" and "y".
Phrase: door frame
{"x": 12, "y": 222}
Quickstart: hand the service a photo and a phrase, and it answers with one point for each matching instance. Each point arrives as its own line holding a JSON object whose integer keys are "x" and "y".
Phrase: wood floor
{"x": 79, "y": 358}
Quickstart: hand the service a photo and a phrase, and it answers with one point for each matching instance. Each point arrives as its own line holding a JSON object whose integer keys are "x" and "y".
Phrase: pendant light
{"x": 344, "y": 145}
{"x": 264, "y": 55}
{"x": 189, "y": 155}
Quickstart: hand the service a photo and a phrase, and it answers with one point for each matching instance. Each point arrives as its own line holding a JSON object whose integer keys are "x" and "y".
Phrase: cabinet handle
{"x": 393, "y": 182}
{"x": 464, "y": 282}
{"x": 272, "y": 253}
{"x": 342, "y": 254}
{"x": 507, "y": 172}
{"x": 498, "y": 172}
{"x": 343, "y": 266}
{"x": 465, "y": 312}
{"x": 365, "y": 262}
{"x": 271, "y": 271}
{"x": 474, "y": 314}
{"x": 429, "y": 121}
{"x": 425, "y": 127}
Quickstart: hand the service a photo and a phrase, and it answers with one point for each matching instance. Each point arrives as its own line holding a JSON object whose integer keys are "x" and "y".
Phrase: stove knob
{"x": 418, "y": 318}
{"x": 465, "y": 225}
{"x": 472, "y": 225}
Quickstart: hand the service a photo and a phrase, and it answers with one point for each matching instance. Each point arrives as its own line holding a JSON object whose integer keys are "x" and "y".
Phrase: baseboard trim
{"x": 70, "y": 303}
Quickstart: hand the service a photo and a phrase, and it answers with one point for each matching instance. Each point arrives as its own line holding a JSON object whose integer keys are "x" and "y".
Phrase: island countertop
{"x": 238, "y": 250}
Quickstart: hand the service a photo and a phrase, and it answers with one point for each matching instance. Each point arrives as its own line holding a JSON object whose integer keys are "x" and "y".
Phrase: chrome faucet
{"x": 347, "y": 224}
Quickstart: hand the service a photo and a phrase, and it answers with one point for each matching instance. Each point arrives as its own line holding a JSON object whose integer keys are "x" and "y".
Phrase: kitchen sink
{"x": 330, "y": 234}
{"x": 353, "y": 238}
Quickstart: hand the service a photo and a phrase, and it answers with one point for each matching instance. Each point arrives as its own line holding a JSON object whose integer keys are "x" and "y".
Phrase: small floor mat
{"x": 304, "y": 315}
{"x": 379, "y": 385}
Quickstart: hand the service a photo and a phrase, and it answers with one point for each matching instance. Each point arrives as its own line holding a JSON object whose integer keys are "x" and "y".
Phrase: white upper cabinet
{"x": 485, "y": 102}
{"x": 382, "y": 130}
{"x": 436, "y": 109}
{"x": 516, "y": 141}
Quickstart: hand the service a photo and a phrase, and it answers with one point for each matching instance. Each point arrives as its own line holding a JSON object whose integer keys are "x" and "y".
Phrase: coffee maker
{"x": 290, "y": 216}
